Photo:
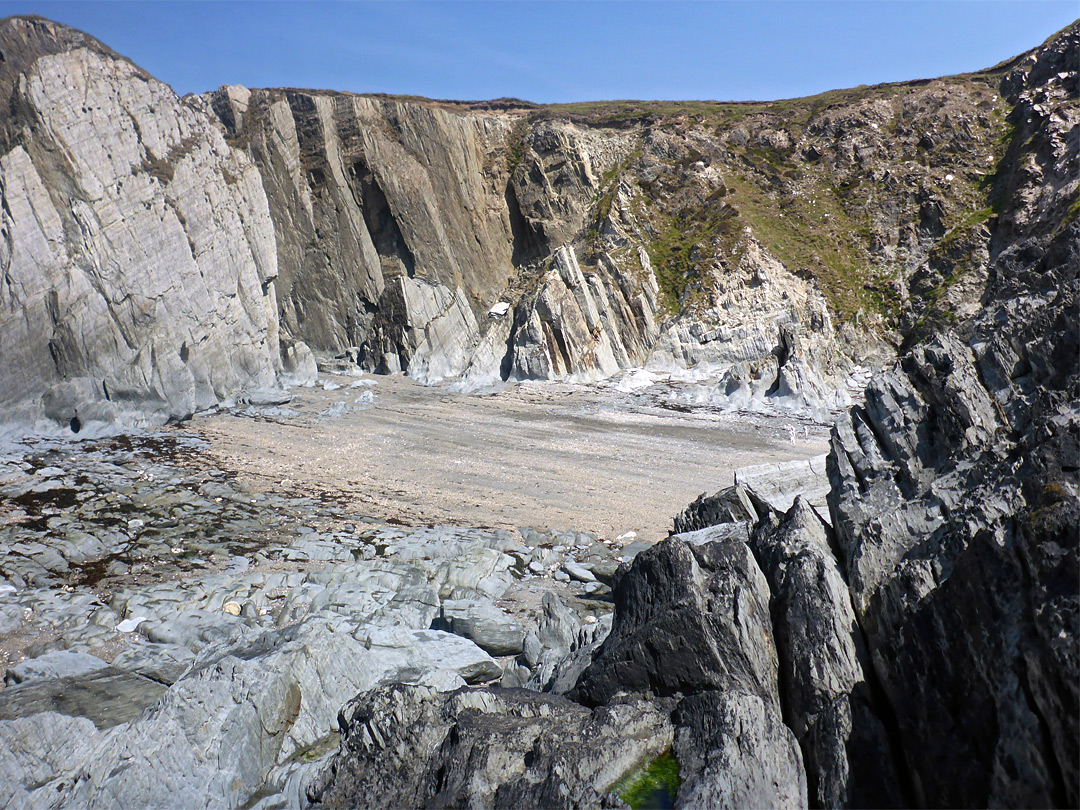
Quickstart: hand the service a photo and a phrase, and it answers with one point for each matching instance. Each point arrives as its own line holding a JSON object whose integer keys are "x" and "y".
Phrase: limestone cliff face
{"x": 400, "y": 224}
{"x": 589, "y": 326}
{"x": 789, "y": 242}
{"x": 137, "y": 246}
{"x": 786, "y": 248}
{"x": 365, "y": 192}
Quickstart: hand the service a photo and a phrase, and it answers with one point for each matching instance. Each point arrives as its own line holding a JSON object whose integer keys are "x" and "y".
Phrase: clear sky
{"x": 561, "y": 51}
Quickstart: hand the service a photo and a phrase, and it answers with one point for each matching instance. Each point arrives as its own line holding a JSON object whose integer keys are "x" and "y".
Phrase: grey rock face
{"x": 730, "y": 505}
{"x": 484, "y": 624}
{"x": 364, "y": 191}
{"x": 823, "y": 665}
{"x": 759, "y": 491}
{"x": 954, "y": 495}
{"x": 139, "y": 249}
{"x": 770, "y": 335}
{"x": 425, "y": 329}
{"x": 560, "y": 171}
{"x": 411, "y": 747}
{"x": 588, "y": 326}
{"x": 736, "y": 752}
{"x": 687, "y": 619}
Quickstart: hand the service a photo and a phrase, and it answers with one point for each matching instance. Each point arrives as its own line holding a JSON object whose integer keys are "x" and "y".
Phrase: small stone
{"x": 129, "y": 625}
{"x": 232, "y": 608}
{"x": 578, "y": 572}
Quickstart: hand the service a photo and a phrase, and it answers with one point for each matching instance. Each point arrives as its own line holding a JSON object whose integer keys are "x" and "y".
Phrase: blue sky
{"x": 561, "y": 51}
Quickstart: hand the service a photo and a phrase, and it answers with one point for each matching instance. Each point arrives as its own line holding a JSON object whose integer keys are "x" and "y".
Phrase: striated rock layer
{"x": 777, "y": 249}
{"x": 138, "y": 250}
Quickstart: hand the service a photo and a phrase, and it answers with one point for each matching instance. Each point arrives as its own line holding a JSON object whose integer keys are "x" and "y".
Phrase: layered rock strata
{"x": 782, "y": 247}
{"x": 138, "y": 250}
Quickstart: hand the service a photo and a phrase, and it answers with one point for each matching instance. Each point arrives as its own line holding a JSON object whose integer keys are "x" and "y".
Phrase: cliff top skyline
{"x": 551, "y": 52}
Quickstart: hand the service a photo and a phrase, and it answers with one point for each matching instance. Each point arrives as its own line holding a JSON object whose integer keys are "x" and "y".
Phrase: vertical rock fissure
{"x": 527, "y": 247}
{"x": 382, "y": 224}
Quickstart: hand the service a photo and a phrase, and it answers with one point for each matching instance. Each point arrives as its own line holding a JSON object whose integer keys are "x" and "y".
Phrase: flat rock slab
{"x": 107, "y": 697}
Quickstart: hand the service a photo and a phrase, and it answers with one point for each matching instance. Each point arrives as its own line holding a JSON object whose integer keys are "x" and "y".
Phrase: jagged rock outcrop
{"x": 693, "y": 621}
{"x": 689, "y": 667}
{"x": 589, "y": 326}
{"x": 412, "y": 747}
{"x": 687, "y": 619}
{"x": 823, "y": 666}
{"x": 955, "y": 490}
{"x": 138, "y": 251}
{"x": 758, "y": 492}
{"x": 560, "y": 168}
{"x": 769, "y": 334}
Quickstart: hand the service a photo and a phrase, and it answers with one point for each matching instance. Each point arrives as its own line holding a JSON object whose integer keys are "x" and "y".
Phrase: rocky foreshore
{"x": 192, "y": 642}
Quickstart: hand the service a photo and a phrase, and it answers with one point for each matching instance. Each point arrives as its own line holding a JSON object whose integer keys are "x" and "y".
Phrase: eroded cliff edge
{"x": 780, "y": 244}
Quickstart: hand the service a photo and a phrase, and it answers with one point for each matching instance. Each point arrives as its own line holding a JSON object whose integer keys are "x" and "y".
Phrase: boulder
{"x": 687, "y": 619}
{"x": 482, "y": 623}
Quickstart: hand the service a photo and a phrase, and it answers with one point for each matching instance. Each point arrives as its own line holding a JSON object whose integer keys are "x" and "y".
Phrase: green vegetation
{"x": 653, "y": 786}
{"x": 815, "y": 215}
{"x": 677, "y": 252}
{"x": 516, "y": 144}
{"x": 977, "y": 217}
{"x": 812, "y": 232}
{"x": 1071, "y": 215}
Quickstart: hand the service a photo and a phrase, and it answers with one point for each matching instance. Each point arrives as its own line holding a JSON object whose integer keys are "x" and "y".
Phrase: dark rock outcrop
{"x": 687, "y": 619}
{"x": 955, "y": 492}
{"x": 405, "y": 746}
{"x": 689, "y": 667}
{"x": 823, "y": 666}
